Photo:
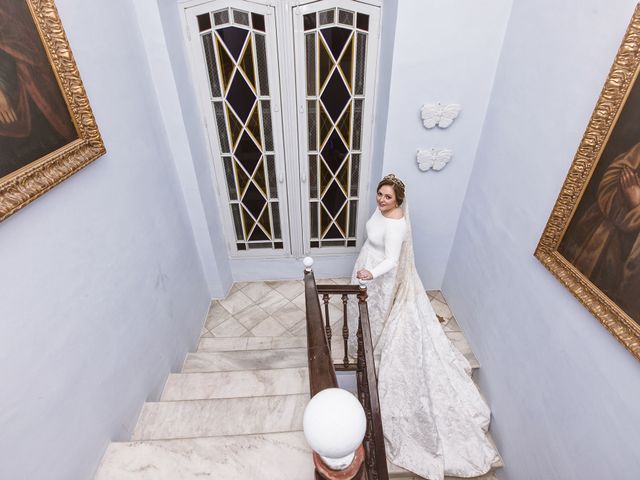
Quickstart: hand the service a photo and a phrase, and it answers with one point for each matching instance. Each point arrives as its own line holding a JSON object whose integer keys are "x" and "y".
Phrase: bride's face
{"x": 386, "y": 198}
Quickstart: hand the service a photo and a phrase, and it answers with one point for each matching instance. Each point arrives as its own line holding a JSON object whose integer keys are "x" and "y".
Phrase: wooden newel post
{"x": 352, "y": 472}
{"x": 308, "y": 263}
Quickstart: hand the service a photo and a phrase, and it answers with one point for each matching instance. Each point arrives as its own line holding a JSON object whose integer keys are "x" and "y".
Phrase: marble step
{"x": 245, "y": 353}
{"x": 250, "y": 457}
{"x": 247, "y": 383}
{"x": 282, "y": 456}
{"x": 218, "y": 417}
{"x": 457, "y": 338}
{"x": 235, "y": 344}
{"x": 245, "y": 360}
{"x": 227, "y": 361}
{"x": 451, "y": 329}
{"x": 230, "y": 344}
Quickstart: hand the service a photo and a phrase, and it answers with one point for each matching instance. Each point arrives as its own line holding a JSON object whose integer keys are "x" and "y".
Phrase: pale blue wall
{"x": 187, "y": 117}
{"x": 383, "y": 92}
{"x": 101, "y": 288}
{"x": 444, "y": 52}
{"x": 564, "y": 393}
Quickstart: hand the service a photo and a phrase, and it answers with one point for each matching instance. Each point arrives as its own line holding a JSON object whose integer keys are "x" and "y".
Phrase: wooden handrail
{"x": 322, "y": 374}
{"x": 338, "y": 289}
{"x": 377, "y": 456}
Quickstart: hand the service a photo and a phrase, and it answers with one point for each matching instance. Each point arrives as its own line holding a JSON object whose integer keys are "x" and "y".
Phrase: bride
{"x": 433, "y": 416}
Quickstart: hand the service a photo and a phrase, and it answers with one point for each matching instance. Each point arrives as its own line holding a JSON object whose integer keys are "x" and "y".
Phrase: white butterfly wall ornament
{"x": 433, "y": 158}
{"x": 438, "y": 114}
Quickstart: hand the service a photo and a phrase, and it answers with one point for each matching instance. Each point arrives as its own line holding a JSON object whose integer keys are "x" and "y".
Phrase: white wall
{"x": 183, "y": 119}
{"x": 563, "y": 392}
{"x": 448, "y": 52}
{"x": 178, "y": 112}
{"x": 388, "y": 33}
{"x": 101, "y": 287}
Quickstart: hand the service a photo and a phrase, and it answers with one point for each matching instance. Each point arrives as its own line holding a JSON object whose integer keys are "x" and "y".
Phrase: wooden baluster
{"x": 368, "y": 439}
{"x": 327, "y": 322}
{"x": 375, "y": 436}
{"x": 345, "y": 330}
{"x": 360, "y": 365}
{"x": 361, "y": 377}
{"x": 368, "y": 436}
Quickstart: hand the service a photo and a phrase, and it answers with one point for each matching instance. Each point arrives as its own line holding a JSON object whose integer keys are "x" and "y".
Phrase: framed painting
{"x": 591, "y": 242}
{"x": 47, "y": 128}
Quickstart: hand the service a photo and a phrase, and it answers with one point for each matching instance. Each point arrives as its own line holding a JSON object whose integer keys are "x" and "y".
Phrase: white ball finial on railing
{"x": 334, "y": 425}
{"x": 308, "y": 262}
{"x": 363, "y": 283}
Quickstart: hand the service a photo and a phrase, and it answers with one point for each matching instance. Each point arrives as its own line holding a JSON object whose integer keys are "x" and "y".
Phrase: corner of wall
{"x": 163, "y": 40}
{"x": 383, "y": 90}
{"x": 477, "y": 146}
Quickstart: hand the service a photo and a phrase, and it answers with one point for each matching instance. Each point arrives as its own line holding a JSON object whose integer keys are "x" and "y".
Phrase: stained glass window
{"x": 335, "y": 47}
{"x": 236, "y": 59}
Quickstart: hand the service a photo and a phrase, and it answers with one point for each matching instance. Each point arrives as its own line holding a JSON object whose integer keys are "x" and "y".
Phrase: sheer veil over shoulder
{"x": 433, "y": 416}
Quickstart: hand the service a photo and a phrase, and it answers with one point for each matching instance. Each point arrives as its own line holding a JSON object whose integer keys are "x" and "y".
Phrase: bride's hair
{"x": 396, "y": 183}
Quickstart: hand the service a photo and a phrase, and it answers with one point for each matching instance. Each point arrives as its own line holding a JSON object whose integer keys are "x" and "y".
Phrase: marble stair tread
{"x": 252, "y": 360}
{"x": 230, "y": 344}
{"x": 245, "y": 360}
{"x": 246, "y": 457}
{"x": 245, "y": 383}
{"x": 457, "y": 338}
{"x": 218, "y": 417}
{"x": 460, "y": 342}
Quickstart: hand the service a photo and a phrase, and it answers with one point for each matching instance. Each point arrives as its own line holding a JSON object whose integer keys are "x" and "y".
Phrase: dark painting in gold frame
{"x": 591, "y": 242}
{"x": 47, "y": 128}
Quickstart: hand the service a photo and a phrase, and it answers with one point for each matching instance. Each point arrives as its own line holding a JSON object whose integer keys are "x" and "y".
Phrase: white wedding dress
{"x": 433, "y": 416}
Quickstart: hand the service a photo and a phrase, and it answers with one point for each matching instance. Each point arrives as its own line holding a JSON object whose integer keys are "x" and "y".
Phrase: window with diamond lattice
{"x": 233, "y": 43}
{"x": 335, "y": 55}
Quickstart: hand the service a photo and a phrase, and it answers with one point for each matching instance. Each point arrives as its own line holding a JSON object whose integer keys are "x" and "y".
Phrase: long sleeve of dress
{"x": 394, "y": 233}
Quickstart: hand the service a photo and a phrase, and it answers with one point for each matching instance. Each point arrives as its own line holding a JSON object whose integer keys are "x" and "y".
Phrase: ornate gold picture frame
{"x": 47, "y": 128}
{"x": 591, "y": 242}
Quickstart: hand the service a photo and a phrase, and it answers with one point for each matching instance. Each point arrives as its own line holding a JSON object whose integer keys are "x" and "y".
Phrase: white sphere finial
{"x": 363, "y": 283}
{"x": 308, "y": 262}
{"x": 334, "y": 425}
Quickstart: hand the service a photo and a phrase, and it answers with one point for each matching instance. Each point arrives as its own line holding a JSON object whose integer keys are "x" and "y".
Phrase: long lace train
{"x": 434, "y": 418}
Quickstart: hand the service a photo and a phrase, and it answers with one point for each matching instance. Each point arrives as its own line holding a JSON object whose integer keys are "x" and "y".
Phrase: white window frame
{"x": 367, "y": 115}
{"x": 288, "y": 107}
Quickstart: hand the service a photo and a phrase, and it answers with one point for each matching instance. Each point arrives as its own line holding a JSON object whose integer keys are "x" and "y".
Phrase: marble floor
{"x": 277, "y": 309}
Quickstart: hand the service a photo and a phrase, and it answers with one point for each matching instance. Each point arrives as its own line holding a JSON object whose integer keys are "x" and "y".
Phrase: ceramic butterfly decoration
{"x": 438, "y": 114}
{"x": 434, "y": 158}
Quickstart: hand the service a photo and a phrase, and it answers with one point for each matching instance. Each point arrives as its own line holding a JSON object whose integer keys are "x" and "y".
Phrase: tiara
{"x": 395, "y": 180}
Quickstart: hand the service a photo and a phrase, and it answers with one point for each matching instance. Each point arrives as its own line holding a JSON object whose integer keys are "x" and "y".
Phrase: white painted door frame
{"x": 290, "y": 109}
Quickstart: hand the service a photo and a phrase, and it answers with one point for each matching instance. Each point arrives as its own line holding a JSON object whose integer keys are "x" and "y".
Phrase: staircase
{"x": 235, "y": 411}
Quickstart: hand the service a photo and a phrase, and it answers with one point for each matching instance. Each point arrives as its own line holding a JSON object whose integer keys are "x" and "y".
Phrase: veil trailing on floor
{"x": 434, "y": 419}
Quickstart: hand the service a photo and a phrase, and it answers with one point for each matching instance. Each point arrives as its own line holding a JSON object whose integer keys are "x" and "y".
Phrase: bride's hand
{"x": 364, "y": 275}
